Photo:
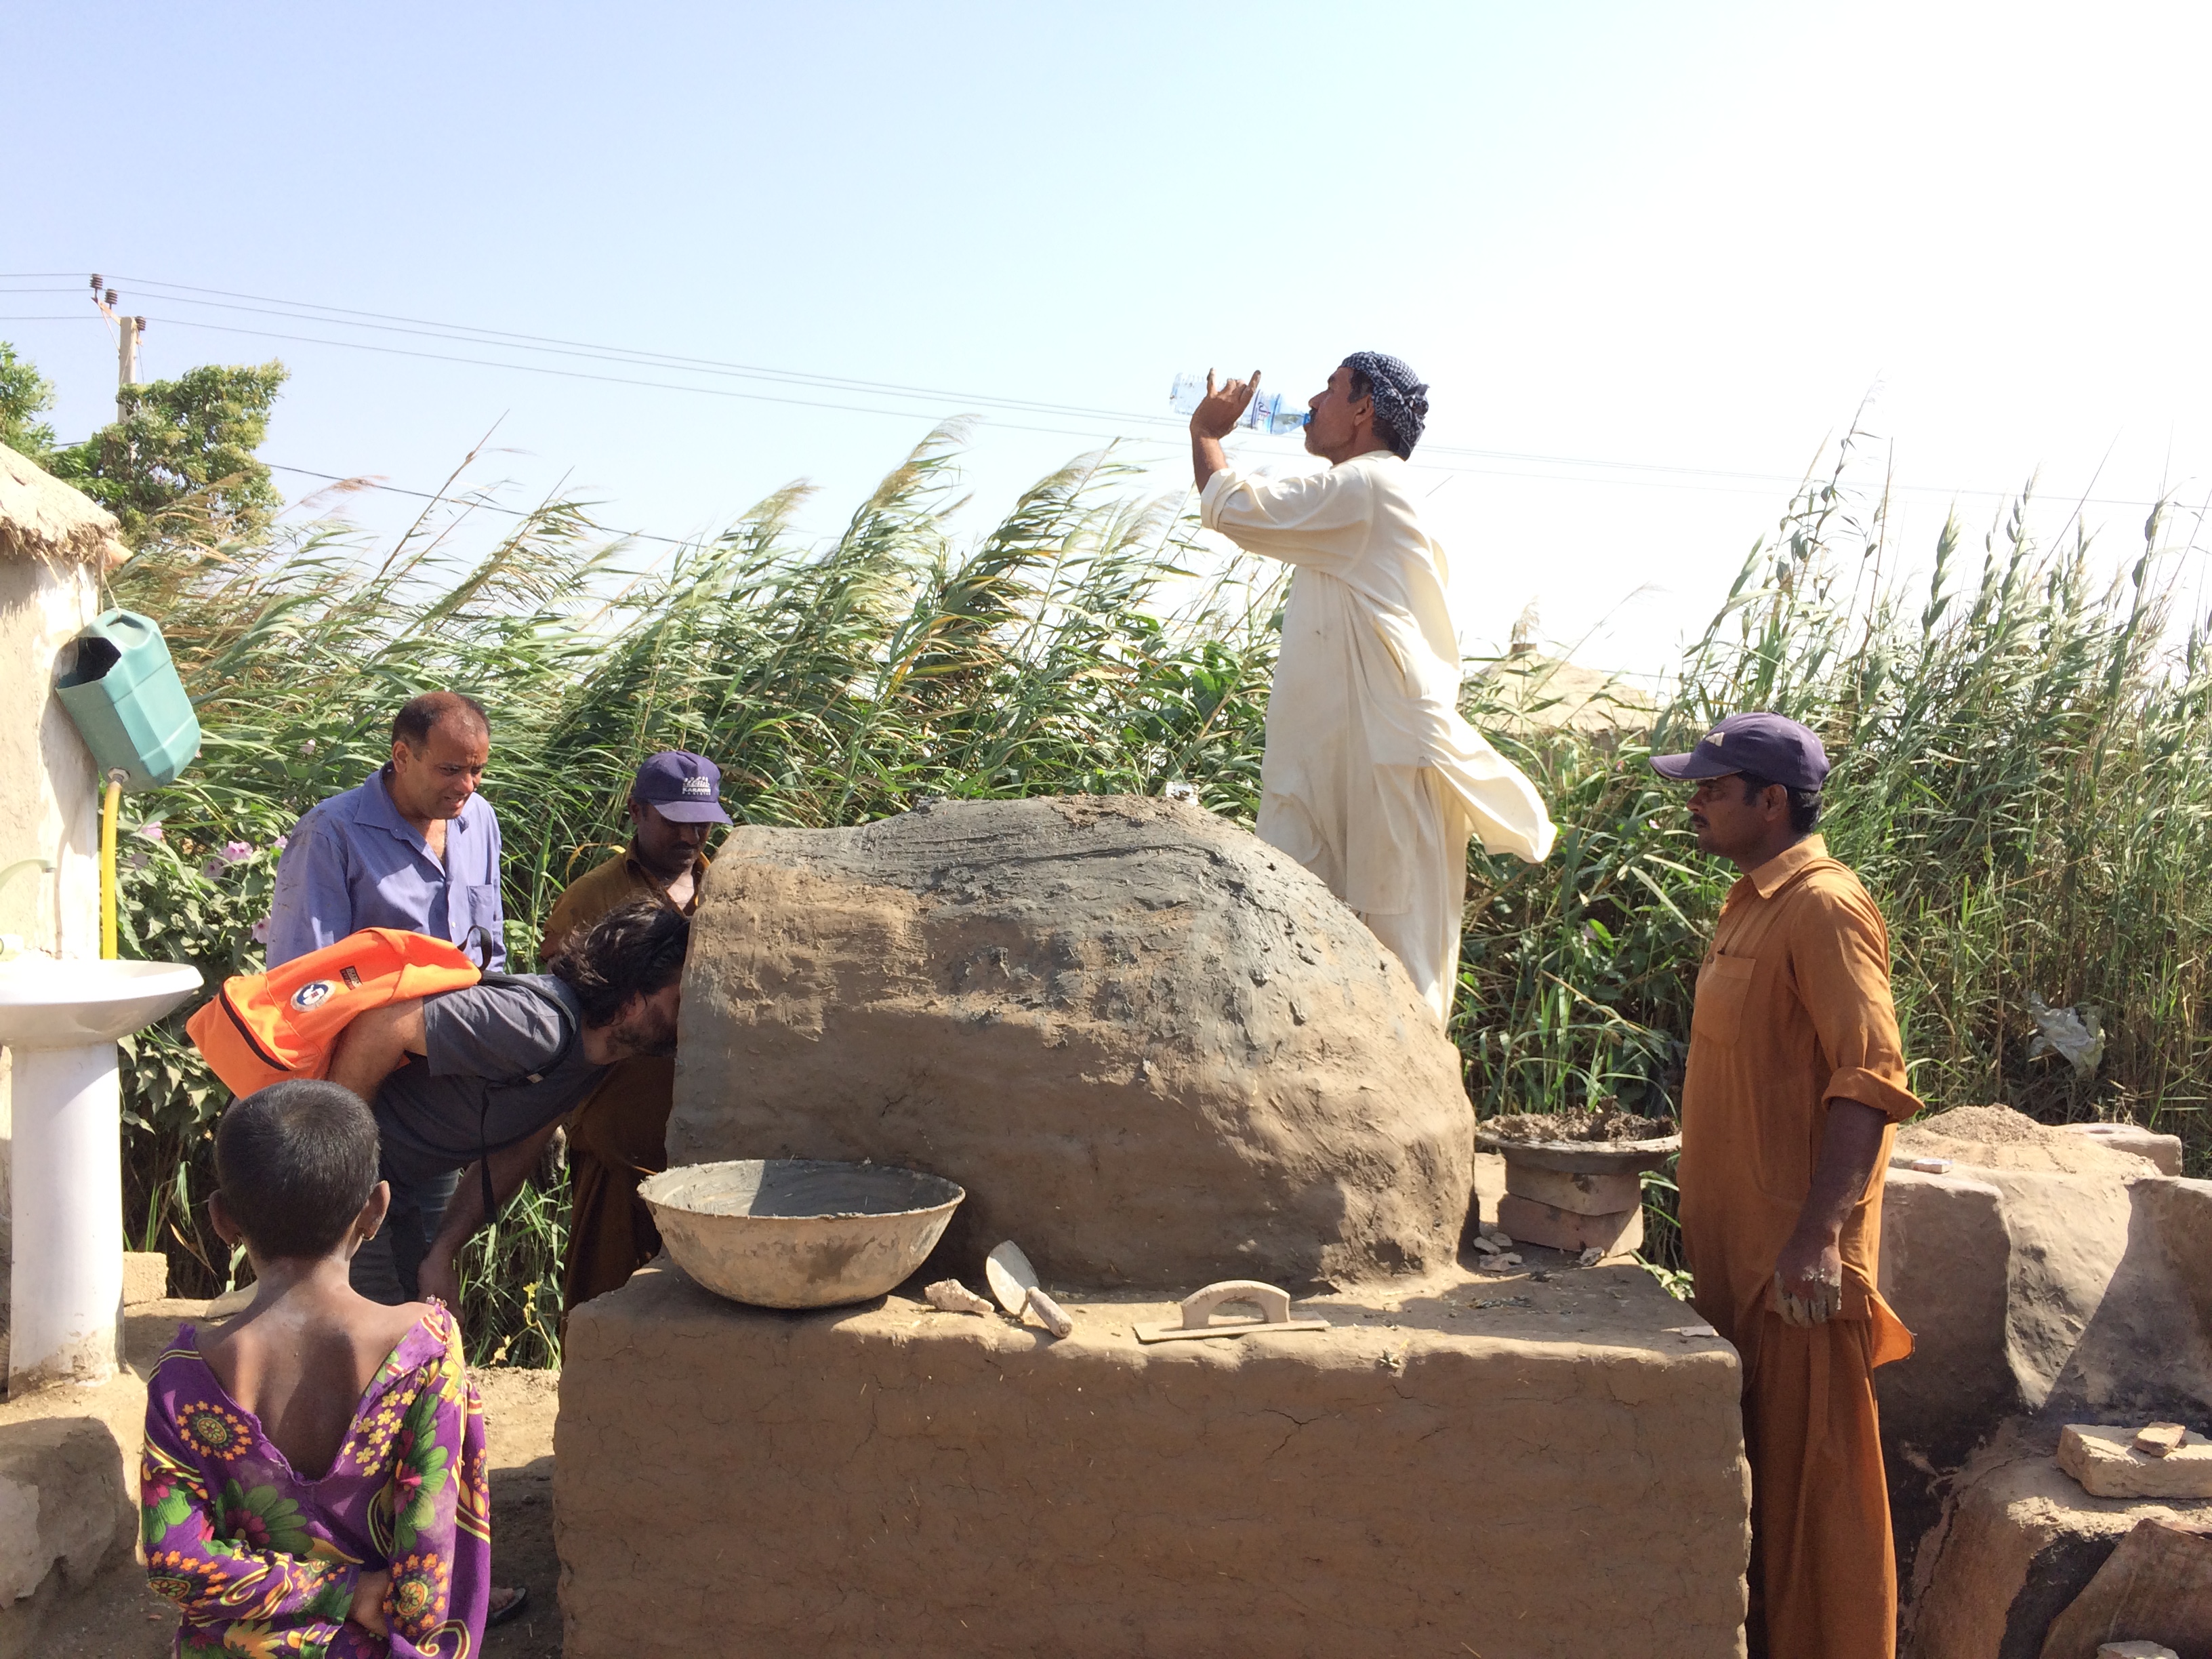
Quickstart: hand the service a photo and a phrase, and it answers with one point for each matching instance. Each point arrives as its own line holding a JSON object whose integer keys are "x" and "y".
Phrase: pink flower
{"x": 280, "y": 842}
{"x": 236, "y": 851}
{"x": 150, "y": 832}
{"x": 261, "y": 931}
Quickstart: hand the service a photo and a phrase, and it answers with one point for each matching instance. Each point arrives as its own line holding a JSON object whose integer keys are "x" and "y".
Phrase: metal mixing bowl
{"x": 798, "y": 1232}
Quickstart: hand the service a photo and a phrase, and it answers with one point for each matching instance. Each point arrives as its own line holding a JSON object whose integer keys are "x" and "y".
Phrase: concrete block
{"x": 1530, "y": 1223}
{"x": 1584, "y": 1194}
{"x": 2021, "y": 1541}
{"x": 145, "y": 1277}
{"x": 65, "y": 1513}
{"x": 2152, "y": 1595}
{"x": 1946, "y": 1268}
{"x": 1554, "y": 1475}
{"x": 2106, "y": 1463}
{"x": 2164, "y": 1151}
{"x": 1489, "y": 1187}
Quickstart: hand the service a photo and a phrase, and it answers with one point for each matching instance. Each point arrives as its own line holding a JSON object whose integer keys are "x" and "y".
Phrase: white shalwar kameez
{"x": 1372, "y": 779}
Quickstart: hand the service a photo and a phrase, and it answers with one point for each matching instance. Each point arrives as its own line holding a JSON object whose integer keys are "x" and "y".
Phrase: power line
{"x": 579, "y": 374}
{"x": 471, "y": 333}
{"x": 464, "y": 333}
{"x": 508, "y": 340}
{"x": 472, "y": 502}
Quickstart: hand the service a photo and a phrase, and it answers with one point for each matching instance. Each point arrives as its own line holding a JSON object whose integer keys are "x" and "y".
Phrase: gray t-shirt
{"x": 472, "y": 1089}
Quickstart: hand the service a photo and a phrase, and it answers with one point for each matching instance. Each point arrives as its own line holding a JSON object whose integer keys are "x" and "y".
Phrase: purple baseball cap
{"x": 687, "y": 788}
{"x": 1770, "y": 746}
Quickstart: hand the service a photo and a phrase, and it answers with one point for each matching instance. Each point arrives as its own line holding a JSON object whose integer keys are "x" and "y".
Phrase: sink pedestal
{"x": 60, "y": 1021}
{"x": 66, "y": 1287}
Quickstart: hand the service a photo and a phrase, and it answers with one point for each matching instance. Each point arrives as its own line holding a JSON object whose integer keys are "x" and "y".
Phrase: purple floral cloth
{"x": 264, "y": 1561}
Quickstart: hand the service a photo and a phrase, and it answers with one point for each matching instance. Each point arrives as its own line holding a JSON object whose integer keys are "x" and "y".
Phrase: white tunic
{"x": 1372, "y": 779}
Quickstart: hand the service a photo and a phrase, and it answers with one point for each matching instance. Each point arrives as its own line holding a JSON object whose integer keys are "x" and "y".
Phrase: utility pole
{"x": 127, "y": 330}
{"x": 126, "y": 362}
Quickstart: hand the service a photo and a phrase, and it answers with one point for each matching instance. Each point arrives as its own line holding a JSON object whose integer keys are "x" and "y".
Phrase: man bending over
{"x": 476, "y": 1080}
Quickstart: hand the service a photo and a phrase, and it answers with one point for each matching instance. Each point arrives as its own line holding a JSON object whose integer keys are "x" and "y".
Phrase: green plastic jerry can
{"x": 129, "y": 705}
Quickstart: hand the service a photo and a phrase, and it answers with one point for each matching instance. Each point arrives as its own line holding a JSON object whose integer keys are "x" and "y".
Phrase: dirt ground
{"x": 122, "y": 1620}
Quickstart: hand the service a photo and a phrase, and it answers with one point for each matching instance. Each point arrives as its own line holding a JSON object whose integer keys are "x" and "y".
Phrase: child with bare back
{"x": 314, "y": 1470}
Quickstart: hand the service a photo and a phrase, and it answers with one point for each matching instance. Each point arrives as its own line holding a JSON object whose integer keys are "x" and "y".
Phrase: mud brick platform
{"x": 1556, "y": 1472}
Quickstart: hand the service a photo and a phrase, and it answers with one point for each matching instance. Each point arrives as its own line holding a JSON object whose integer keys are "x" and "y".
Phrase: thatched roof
{"x": 1528, "y": 693}
{"x": 42, "y": 518}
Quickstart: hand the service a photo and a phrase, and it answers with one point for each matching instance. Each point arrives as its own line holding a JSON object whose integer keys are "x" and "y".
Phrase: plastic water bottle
{"x": 1269, "y": 411}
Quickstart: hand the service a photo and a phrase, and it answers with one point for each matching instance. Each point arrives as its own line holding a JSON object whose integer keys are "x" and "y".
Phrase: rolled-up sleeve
{"x": 1320, "y": 519}
{"x": 1841, "y": 954}
{"x": 311, "y": 906}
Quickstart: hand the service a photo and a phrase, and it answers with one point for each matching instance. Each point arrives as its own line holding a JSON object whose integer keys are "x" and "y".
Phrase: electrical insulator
{"x": 110, "y": 296}
{"x": 95, "y": 281}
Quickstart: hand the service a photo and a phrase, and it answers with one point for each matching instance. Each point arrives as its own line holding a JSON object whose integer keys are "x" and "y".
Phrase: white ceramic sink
{"x": 45, "y": 1004}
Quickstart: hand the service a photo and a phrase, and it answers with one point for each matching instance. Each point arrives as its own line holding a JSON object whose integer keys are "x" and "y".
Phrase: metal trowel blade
{"x": 1011, "y": 1276}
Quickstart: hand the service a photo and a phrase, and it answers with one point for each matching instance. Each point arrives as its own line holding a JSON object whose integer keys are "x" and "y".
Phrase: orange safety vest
{"x": 266, "y": 1028}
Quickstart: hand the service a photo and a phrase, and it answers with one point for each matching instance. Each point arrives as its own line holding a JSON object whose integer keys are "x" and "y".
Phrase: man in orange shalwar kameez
{"x": 1795, "y": 1087}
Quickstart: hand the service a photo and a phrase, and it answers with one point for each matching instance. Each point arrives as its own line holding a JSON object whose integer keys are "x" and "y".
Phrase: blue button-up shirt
{"x": 353, "y": 862}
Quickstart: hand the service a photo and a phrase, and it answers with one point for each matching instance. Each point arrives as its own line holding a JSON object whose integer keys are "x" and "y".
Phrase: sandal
{"x": 521, "y": 1600}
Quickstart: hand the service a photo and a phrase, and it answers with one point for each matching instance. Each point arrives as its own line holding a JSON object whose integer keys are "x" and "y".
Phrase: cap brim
{"x": 1683, "y": 768}
{"x": 691, "y": 811}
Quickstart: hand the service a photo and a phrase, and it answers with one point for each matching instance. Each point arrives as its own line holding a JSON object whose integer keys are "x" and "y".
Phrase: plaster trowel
{"x": 1198, "y": 1307}
{"x": 1014, "y": 1282}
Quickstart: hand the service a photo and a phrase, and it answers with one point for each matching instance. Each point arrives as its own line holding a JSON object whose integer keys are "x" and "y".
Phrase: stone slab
{"x": 1946, "y": 1269}
{"x": 1581, "y": 1194}
{"x": 2158, "y": 1583}
{"x": 1501, "y": 1465}
{"x": 2021, "y": 1542}
{"x": 1526, "y": 1221}
{"x": 65, "y": 1511}
{"x": 2164, "y": 1151}
{"x": 2108, "y": 1466}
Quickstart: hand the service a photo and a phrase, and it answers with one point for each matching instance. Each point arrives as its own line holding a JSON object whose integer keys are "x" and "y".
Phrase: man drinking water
{"x": 1372, "y": 779}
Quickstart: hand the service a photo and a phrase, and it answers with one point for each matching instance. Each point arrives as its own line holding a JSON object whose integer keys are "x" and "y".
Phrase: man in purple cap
{"x": 1795, "y": 1085}
{"x": 620, "y": 1134}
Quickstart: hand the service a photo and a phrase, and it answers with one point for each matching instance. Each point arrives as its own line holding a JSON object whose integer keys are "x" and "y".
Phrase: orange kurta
{"x": 620, "y": 1134}
{"x": 1793, "y": 1012}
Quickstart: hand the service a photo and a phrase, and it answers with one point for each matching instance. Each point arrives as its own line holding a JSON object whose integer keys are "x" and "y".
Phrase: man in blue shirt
{"x": 416, "y": 847}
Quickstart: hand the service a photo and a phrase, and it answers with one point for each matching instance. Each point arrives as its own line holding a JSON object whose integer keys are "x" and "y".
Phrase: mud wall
{"x": 1564, "y": 1477}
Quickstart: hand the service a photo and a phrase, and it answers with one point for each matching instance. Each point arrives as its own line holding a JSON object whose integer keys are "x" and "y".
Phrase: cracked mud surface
{"x": 1455, "y": 1460}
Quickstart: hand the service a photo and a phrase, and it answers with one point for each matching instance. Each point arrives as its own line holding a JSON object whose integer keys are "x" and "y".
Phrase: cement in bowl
{"x": 798, "y": 1232}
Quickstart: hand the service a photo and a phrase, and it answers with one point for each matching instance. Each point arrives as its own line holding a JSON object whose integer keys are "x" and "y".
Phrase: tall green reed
{"x": 2024, "y": 766}
{"x": 833, "y": 684}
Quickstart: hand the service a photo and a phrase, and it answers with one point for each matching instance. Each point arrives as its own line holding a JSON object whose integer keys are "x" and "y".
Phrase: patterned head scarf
{"x": 1401, "y": 402}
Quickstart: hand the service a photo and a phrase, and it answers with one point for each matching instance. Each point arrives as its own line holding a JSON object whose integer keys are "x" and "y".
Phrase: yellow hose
{"x": 107, "y": 945}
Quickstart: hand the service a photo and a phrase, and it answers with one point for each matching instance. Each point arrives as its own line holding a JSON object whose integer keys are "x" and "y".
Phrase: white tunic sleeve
{"x": 1320, "y": 521}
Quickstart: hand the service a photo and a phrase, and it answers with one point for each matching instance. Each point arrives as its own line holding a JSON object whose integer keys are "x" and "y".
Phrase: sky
{"x": 1649, "y": 259}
